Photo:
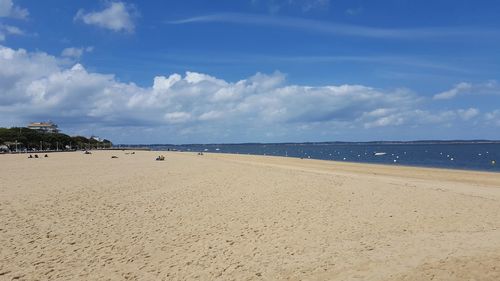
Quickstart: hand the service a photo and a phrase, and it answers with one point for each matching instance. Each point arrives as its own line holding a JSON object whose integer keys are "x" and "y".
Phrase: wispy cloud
{"x": 416, "y": 62}
{"x": 379, "y": 60}
{"x": 275, "y": 6}
{"x": 354, "y": 11}
{"x": 9, "y": 30}
{"x": 459, "y": 88}
{"x": 338, "y": 28}
{"x": 76, "y": 53}
{"x": 489, "y": 88}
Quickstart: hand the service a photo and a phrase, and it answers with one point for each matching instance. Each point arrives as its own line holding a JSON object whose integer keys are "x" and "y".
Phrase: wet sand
{"x": 237, "y": 217}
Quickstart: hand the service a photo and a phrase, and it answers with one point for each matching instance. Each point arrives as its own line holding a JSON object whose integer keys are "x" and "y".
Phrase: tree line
{"x": 28, "y": 139}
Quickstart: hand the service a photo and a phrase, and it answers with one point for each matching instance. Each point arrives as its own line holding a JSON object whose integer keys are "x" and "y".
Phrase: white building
{"x": 47, "y": 127}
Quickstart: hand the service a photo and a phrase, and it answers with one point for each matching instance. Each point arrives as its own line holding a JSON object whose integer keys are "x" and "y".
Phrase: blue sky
{"x": 256, "y": 70}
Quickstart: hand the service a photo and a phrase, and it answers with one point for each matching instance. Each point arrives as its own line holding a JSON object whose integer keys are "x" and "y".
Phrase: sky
{"x": 230, "y": 71}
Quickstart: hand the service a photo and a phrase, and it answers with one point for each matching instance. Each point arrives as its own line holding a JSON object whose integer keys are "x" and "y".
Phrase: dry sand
{"x": 231, "y": 217}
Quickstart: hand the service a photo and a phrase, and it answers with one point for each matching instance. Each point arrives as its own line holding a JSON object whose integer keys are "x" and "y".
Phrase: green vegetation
{"x": 28, "y": 139}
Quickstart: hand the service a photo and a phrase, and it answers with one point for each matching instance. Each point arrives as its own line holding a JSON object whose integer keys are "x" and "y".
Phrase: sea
{"x": 465, "y": 156}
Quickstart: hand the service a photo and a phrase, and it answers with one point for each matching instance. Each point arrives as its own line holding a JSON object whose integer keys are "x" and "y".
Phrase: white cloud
{"x": 9, "y": 10}
{"x": 467, "y": 114}
{"x": 75, "y": 53}
{"x": 177, "y": 117}
{"x": 464, "y": 88}
{"x": 308, "y": 5}
{"x": 6, "y": 30}
{"x": 493, "y": 117}
{"x": 384, "y": 117}
{"x": 275, "y": 6}
{"x": 117, "y": 16}
{"x": 458, "y": 89}
{"x": 37, "y": 86}
{"x": 354, "y": 11}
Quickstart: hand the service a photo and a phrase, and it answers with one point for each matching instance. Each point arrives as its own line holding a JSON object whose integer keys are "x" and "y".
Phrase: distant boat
{"x": 217, "y": 149}
{"x": 379, "y": 153}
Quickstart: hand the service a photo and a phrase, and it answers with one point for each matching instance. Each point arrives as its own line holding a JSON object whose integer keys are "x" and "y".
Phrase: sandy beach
{"x": 238, "y": 217}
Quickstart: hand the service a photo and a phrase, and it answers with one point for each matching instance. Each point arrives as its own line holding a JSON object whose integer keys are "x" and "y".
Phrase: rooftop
{"x": 42, "y": 124}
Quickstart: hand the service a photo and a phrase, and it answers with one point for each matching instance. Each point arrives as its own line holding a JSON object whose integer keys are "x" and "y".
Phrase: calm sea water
{"x": 471, "y": 156}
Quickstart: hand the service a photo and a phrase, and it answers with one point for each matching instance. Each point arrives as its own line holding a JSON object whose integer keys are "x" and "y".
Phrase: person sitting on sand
{"x": 31, "y": 156}
{"x": 46, "y": 156}
{"x": 36, "y": 155}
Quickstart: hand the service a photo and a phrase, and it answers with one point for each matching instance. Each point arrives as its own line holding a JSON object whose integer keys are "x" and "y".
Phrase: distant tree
{"x": 29, "y": 139}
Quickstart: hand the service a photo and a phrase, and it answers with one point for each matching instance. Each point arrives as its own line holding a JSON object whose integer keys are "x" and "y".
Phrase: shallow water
{"x": 469, "y": 156}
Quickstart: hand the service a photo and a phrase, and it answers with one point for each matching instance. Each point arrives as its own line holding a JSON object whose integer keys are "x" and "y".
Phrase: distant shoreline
{"x": 324, "y": 143}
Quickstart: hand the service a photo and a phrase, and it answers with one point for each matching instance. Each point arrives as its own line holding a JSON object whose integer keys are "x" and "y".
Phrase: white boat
{"x": 379, "y": 153}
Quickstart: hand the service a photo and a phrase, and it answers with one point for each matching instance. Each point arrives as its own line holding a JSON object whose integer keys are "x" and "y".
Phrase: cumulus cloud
{"x": 117, "y": 16}
{"x": 9, "y": 10}
{"x": 38, "y": 86}
{"x": 75, "y": 53}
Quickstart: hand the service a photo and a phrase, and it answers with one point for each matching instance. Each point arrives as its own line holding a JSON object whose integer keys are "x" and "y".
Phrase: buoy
{"x": 493, "y": 162}
{"x": 395, "y": 160}
{"x": 452, "y": 159}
